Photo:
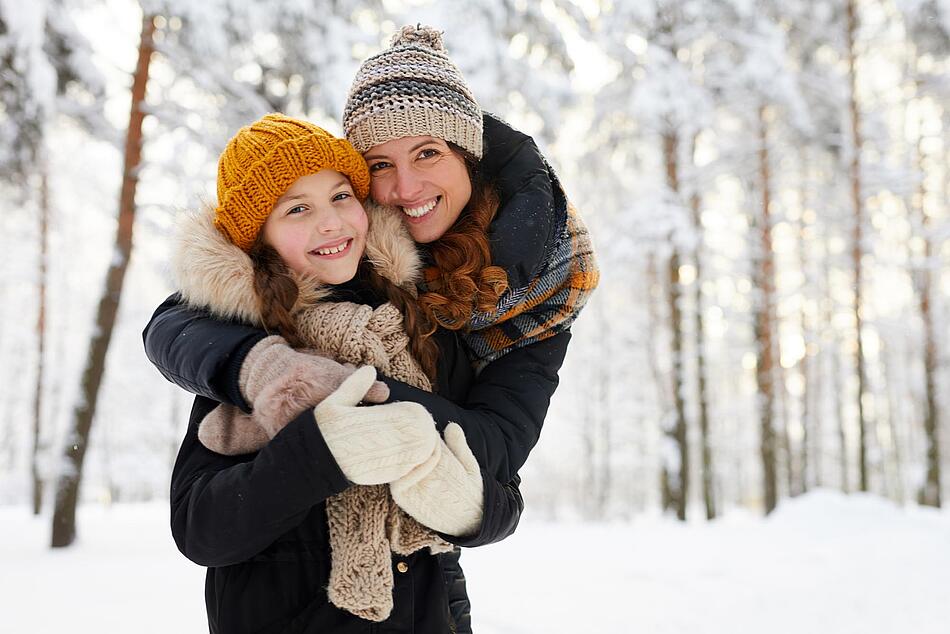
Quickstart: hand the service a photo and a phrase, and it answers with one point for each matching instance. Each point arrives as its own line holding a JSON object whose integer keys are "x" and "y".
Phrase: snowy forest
{"x": 766, "y": 183}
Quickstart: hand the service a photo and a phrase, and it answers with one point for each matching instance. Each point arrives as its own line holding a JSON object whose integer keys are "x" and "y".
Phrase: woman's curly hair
{"x": 462, "y": 279}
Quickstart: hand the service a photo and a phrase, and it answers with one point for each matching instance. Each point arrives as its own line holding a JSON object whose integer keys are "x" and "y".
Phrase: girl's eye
{"x": 341, "y": 196}
{"x": 296, "y": 209}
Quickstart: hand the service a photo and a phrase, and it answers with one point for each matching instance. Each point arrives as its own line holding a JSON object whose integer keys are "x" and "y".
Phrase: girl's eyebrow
{"x": 285, "y": 198}
{"x": 343, "y": 182}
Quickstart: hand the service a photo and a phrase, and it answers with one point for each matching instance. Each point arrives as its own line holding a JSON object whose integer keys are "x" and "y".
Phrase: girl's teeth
{"x": 333, "y": 250}
{"x": 419, "y": 211}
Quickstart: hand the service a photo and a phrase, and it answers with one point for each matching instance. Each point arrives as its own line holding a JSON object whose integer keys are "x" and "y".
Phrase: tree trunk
{"x": 677, "y": 482}
{"x": 709, "y": 498}
{"x": 40, "y": 339}
{"x": 67, "y": 489}
{"x": 663, "y": 395}
{"x": 857, "y": 248}
{"x": 785, "y": 406}
{"x": 804, "y": 365}
{"x": 603, "y": 416}
{"x": 763, "y": 271}
{"x": 930, "y": 493}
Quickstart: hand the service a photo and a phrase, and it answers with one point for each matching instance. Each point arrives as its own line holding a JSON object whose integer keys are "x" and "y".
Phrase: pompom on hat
{"x": 412, "y": 89}
{"x": 264, "y": 159}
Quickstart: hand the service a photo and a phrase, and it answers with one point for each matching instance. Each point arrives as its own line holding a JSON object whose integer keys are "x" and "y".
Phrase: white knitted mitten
{"x": 378, "y": 443}
{"x": 445, "y": 492}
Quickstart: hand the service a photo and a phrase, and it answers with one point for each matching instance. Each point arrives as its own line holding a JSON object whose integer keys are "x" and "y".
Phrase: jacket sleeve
{"x": 199, "y": 353}
{"x": 225, "y": 510}
{"x": 505, "y": 408}
{"x": 503, "y": 505}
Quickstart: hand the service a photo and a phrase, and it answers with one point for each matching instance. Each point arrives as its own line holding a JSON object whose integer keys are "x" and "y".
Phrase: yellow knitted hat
{"x": 264, "y": 159}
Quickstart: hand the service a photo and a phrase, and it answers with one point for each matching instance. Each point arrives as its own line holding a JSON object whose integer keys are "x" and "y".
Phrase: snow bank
{"x": 824, "y": 562}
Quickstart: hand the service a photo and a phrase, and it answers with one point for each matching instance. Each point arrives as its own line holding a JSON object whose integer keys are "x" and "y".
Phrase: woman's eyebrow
{"x": 370, "y": 157}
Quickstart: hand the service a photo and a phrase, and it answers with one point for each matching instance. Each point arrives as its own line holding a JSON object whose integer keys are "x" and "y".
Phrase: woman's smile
{"x": 418, "y": 213}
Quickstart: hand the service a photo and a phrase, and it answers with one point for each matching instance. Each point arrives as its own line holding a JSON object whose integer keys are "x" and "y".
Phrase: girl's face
{"x": 424, "y": 178}
{"x": 318, "y": 227}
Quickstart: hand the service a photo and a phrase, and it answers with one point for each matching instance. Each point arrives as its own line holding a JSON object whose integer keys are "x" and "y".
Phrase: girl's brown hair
{"x": 278, "y": 291}
{"x": 462, "y": 278}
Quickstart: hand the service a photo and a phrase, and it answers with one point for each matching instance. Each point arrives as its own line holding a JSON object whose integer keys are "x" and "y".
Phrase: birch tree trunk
{"x": 857, "y": 247}
{"x": 930, "y": 493}
{"x": 40, "y": 339}
{"x": 676, "y": 477}
{"x": 709, "y": 498}
{"x": 67, "y": 489}
{"x": 809, "y": 439}
{"x": 763, "y": 271}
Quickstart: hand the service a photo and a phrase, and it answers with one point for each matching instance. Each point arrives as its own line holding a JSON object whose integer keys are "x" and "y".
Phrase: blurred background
{"x": 766, "y": 183}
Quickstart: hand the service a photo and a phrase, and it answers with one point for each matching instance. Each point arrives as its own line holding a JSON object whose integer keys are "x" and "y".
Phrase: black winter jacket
{"x": 501, "y": 411}
{"x": 259, "y": 523}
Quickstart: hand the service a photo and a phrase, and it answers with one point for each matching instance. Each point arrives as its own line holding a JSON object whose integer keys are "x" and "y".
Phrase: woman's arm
{"x": 219, "y": 359}
{"x": 501, "y": 416}
{"x": 505, "y": 408}
{"x": 199, "y": 353}
{"x": 228, "y": 509}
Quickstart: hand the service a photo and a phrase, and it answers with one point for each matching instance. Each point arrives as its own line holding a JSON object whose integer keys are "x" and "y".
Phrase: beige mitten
{"x": 445, "y": 492}
{"x": 378, "y": 443}
{"x": 272, "y": 362}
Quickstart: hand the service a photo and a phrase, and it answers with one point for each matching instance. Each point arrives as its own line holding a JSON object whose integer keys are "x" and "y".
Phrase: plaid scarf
{"x": 545, "y": 296}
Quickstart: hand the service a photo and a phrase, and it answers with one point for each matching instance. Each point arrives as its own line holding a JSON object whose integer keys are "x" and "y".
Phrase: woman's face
{"x": 425, "y": 179}
{"x": 318, "y": 227}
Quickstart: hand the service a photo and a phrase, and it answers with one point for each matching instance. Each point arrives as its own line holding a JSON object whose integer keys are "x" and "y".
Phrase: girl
{"x": 314, "y": 519}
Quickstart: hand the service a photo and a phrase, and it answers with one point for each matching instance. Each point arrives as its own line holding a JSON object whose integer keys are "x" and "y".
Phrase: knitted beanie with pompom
{"x": 412, "y": 89}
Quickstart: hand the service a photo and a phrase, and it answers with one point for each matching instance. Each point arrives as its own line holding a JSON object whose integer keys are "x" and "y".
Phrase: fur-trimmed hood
{"x": 213, "y": 273}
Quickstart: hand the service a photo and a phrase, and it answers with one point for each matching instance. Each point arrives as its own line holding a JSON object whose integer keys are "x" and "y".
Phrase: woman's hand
{"x": 375, "y": 444}
{"x": 445, "y": 492}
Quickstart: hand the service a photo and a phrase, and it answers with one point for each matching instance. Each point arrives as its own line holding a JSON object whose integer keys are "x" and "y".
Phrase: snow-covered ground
{"x": 821, "y": 563}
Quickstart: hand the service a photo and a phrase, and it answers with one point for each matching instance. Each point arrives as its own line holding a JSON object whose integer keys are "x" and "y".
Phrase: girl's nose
{"x": 329, "y": 221}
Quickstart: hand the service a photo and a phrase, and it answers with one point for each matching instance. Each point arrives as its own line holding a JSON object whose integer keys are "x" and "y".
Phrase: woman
{"x": 268, "y": 502}
{"x": 510, "y": 263}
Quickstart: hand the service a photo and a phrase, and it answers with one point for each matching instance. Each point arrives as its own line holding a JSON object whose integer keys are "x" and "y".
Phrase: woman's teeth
{"x": 417, "y": 212}
{"x": 332, "y": 250}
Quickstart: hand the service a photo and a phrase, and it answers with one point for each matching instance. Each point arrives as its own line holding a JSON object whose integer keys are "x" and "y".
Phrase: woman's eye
{"x": 381, "y": 165}
{"x": 428, "y": 153}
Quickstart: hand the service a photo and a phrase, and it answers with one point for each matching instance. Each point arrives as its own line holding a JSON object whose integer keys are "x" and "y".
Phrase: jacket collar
{"x": 533, "y": 205}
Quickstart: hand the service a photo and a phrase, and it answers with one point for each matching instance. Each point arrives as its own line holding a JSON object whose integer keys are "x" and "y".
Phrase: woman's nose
{"x": 408, "y": 185}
